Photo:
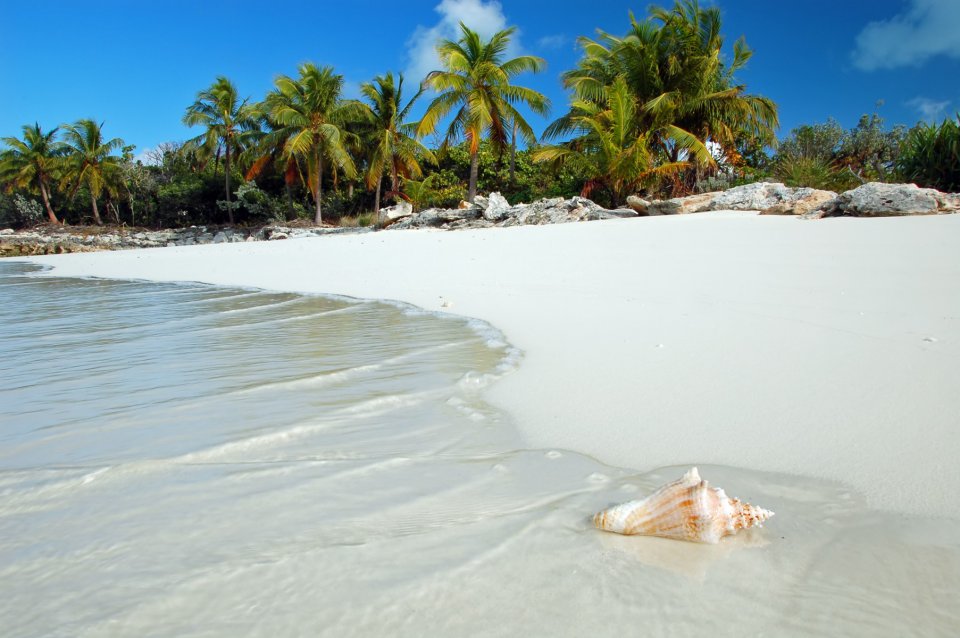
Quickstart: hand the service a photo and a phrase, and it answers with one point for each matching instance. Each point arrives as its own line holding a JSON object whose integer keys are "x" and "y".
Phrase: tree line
{"x": 656, "y": 111}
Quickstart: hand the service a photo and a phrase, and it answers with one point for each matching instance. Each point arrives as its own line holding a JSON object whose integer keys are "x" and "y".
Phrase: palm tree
{"x": 393, "y": 148}
{"x": 476, "y": 82}
{"x": 90, "y": 161}
{"x": 620, "y": 159}
{"x": 32, "y": 162}
{"x": 308, "y": 117}
{"x": 231, "y": 123}
{"x": 673, "y": 66}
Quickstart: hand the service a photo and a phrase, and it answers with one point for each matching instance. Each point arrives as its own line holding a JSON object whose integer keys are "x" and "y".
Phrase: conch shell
{"x": 688, "y": 509}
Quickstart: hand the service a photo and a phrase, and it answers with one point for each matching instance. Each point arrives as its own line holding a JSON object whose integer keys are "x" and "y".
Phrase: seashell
{"x": 688, "y": 509}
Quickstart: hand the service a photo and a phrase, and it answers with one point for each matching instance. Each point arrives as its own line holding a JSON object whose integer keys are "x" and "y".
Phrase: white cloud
{"x": 930, "y": 110}
{"x": 927, "y": 28}
{"x": 486, "y": 18}
{"x": 552, "y": 41}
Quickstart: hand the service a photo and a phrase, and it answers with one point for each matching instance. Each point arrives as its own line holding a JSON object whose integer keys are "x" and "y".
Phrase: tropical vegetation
{"x": 930, "y": 155}
{"x": 476, "y": 83}
{"x": 662, "y": 94}
{"x": 657, "y": 111}
{"x": 31, "y": 163}
{"x": 231, "y": 124}
{"x": 89, "y": 161}
{"x": 309, "y": 121}
{"x": 394, "y": 149}
{"x": 826, "y": 156}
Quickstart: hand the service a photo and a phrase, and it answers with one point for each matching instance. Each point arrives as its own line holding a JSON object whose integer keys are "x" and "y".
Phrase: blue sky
{"x": 137, "y": 64}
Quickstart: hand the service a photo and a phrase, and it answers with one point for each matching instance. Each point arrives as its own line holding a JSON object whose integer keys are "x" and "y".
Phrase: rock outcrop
{"x": 869, "y": 200}
{"x": 880, "y": 200}
{"x": 497, "y": 208}
{"x": 803, "y": 201}
{"x": 495, "y": 211}
{"x": 638, "y": 204}
{"x": 681, "y": 205}
{"x": 399, "y": 210}
{"x": 770, "y": 198}
{"x": 50, "y": 241}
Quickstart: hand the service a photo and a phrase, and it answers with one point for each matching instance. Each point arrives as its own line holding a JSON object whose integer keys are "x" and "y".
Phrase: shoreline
{"x": 820, "y": 349}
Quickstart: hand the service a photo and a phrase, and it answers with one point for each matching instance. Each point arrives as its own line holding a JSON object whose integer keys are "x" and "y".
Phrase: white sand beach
{"x": 826, "y": 349}
{"x": 808, "y": 367}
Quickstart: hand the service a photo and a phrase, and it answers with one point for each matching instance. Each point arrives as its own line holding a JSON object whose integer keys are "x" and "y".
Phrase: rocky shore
{"x": 47, "y": 240}
{"x": 768, "y": 198}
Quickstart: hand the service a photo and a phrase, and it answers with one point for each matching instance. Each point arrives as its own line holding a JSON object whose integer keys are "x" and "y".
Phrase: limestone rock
{"x": 757, "y": 196}
{"x": 879, "y": 200}
{"x": 681, "y": 205}
{"x": 602, "y": 213}
{"x": 802, "y": 201}
{"x": 497, "y": 207}
{"x": 399, "y": 210}
{"x": 638, "y": 204}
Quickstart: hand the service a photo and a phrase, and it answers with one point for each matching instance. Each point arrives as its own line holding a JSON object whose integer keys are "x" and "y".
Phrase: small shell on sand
{"x": 687, "y": 509}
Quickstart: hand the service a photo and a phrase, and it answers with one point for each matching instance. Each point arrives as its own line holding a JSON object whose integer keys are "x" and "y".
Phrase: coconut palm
{"x": 90, "y": 161}
{"x": 673, "y": 66}
{"x": 476, "y": 82}
{"x": 308, "y": 117}
{"x": 620, "y": 159}
{"x": 393, "y": 149}
{"x": 707, "y": 100}
{"x": 231, "y": 126}
{"x": 32, "y": 162}
{"x": 270, "y": 151}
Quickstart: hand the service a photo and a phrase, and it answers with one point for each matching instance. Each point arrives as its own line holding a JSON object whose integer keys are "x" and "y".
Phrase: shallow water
{"x": 190, "y": 460}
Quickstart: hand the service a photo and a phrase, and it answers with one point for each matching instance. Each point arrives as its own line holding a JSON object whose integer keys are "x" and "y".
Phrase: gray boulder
{"x": 880, "y": 200}
{"x": 399, "y": 210}
{"x": 638, "y": 204}
{"x": 772, "y": 198}
{"x": 801, "y": 201}
{"x": 497, "y": 207}
{"x": 758, "y": 196}
{"x": 681, "y": 205}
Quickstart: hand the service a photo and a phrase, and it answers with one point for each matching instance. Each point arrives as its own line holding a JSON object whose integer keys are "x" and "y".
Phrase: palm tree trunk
{"x": 226, "y": 171}
{"x": 46, "y": 202}
{"x": 96, "y": 211}
{"x": 474, "y": 169}
{"x": 286, "y": 187}
{"x": 318, "y": 219}
{"x": 395, "y": 184}
{"x": 112, "y": 208}
{"x": 513, "y": 154}
{"x": 376, "y": 204}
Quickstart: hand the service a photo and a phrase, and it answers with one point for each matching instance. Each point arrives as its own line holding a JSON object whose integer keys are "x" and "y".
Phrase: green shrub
{"x": 813, "y": 172}
{"x": 17, "y": 211}
{"x": 930, "y": 156}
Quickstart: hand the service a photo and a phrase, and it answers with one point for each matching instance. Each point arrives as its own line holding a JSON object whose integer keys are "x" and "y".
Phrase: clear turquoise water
{"x": 185, "y": 460}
